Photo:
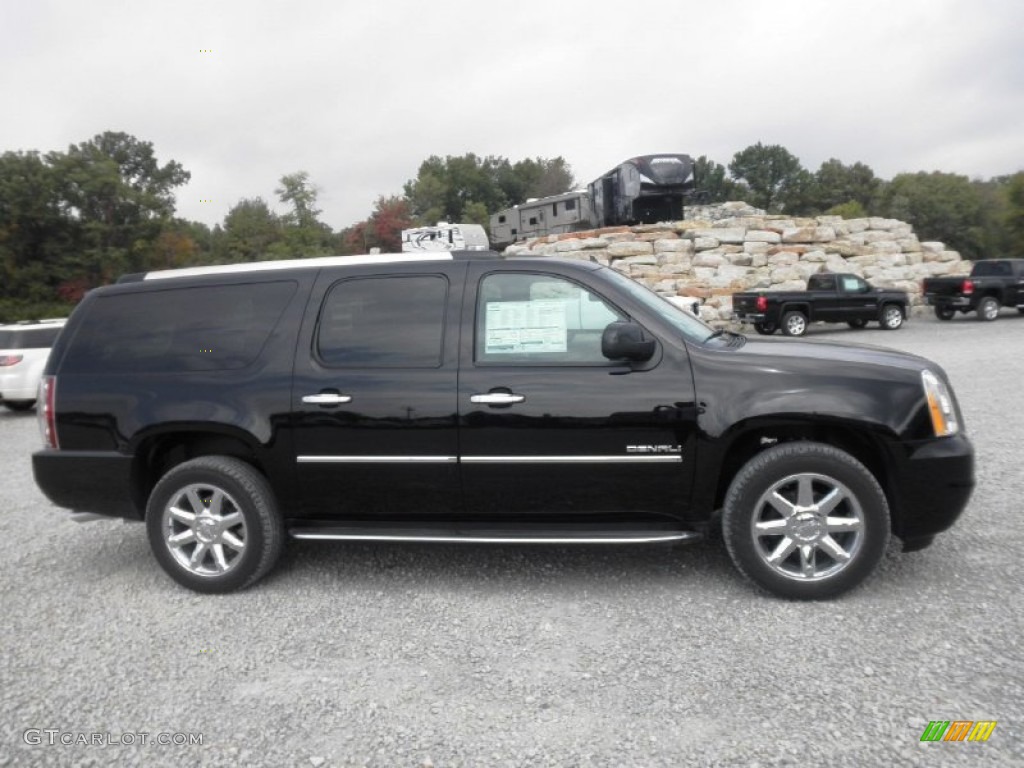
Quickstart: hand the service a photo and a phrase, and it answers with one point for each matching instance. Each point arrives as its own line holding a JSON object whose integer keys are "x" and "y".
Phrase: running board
{"x": 477, "y": 533}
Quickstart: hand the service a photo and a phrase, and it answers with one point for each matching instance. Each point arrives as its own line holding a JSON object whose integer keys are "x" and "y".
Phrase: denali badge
{"x": 654, "y": 449}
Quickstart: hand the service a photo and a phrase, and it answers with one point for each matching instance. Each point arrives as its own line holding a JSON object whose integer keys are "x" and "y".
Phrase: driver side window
{"x": 540, "y": 319}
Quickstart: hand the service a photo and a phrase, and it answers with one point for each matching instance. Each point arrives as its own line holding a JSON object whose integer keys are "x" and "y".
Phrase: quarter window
{"x": 383, "y": 322}
{"x": 540, "y": 319}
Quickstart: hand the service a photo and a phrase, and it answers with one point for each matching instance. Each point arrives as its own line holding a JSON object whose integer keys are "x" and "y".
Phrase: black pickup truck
{"x": 829, "y": 298}
{"x": 993, "y": 283}
{"x": 466, "y": 397}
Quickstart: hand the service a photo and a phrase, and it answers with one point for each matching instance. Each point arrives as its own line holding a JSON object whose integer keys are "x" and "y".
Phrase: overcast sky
{"x": 359, "y": 93}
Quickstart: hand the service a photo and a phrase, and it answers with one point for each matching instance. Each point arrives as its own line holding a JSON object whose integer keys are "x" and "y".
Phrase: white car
{"x": 24, "y": 348}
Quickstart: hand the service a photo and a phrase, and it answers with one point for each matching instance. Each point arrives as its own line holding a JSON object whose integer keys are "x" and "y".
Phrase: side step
{"x": 496, "y": 533}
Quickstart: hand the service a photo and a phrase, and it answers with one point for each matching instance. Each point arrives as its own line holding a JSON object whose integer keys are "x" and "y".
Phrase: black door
{"x": 374, "y": 398}
{"x": 551, "y": 428}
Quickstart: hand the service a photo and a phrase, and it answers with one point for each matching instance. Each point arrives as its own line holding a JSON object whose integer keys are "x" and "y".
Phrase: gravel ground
{"x": 405, "y": 655}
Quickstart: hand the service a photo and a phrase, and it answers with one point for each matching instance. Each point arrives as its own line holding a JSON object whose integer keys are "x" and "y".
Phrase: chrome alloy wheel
{"x": 807, "y": 527}
{"x": 204, "y": 530}
{"x": 892, "y": 317}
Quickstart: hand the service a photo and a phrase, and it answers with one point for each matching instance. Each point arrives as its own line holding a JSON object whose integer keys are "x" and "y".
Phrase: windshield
{"x": 688, "y": 325}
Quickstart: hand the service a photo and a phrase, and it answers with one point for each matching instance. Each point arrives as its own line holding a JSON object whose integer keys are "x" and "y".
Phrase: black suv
{"x": 469, "y": 397}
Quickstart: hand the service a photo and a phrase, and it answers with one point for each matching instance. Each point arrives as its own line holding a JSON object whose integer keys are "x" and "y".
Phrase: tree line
{"x": 72, "y": 220}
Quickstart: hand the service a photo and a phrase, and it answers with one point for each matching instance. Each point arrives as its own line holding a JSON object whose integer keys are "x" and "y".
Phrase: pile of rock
{"x": 739, "y": 248}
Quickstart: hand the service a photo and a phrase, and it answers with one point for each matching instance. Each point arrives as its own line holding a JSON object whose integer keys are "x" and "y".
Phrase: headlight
{"x": 940, "y": 405}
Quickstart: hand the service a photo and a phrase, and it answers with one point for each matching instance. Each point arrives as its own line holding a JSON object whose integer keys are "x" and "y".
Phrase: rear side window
{"x": 211, "y": 328}
{"x": 992, "y": 269}
{"x": 383, "y": 322}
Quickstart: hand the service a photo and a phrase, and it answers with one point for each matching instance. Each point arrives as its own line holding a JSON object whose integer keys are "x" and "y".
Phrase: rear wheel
{"x": 856, "y": 323}
{"x": 765, "y": 329}
{"x": 19, "y": 405}
{"x": 794, "y": 324}
{"x": 805, "y": 521}
{"x": 891, "y": 317}
{"x": 944, "y": 313}
{"x": 213, "y": 524}
{"x": 988, "y": 309}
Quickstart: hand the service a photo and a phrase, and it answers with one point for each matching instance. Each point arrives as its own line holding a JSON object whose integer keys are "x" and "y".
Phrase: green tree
{"x": 458, "y": 188}
{"x": 775, "y": 177}
{"x": 117, "y": 198}
{"x": 713, "y": 184}
{"x": 836, "y": 185}
{"x": 303, "y": 233}
{"x": 34, "y": 233}
{"x": 249, "y": 233}
{"x": 941, "y": 206}
{"x": 1013, "y": 216}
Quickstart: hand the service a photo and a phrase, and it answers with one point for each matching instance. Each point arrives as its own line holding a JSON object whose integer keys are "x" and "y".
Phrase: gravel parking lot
{"x": 405, "y": 655}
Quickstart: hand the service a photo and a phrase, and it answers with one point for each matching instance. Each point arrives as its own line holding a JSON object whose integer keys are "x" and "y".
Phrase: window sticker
{"x": 525, "y": 327}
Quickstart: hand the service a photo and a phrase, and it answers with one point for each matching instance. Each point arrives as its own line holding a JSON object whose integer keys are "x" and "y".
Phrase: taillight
{"x": 968, "y": 288}
{"x": 8, "y": 360}
{"x": 762, "y": 303}
{"x": 45, "y": 411}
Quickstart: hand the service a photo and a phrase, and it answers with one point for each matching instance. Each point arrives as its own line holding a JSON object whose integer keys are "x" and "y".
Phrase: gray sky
{"x": 358, "y": 94}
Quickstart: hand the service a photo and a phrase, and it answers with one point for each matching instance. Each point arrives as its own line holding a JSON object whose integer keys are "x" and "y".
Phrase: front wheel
{"x": 765, "y": 329}
{"x": 213, "y": 524}
{"x": 988, "y": 309}
{"x": 805, "y": 521}
{"x": 891, "y": 318}
{"x": 944, "y": 313}
{"x": 794, "y": 324}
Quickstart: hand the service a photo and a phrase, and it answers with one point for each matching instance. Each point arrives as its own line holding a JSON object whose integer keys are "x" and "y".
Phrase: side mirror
{"x": 623, "y": 340}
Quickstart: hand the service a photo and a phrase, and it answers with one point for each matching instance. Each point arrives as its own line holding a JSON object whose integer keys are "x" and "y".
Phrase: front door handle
{"x": 497, "y": 398}
{"x": 327, "y": 398}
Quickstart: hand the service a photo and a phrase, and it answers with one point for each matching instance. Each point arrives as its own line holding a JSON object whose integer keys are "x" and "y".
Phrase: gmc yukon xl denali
{"x": 466, "y": 397}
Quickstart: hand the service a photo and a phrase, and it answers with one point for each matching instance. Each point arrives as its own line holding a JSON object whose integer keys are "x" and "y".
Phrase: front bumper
{"x": 933, "y": 483}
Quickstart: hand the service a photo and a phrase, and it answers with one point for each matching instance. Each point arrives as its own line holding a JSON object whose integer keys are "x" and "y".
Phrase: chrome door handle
{"x": 497, "y": 398}
{"x": 327, "y": 398}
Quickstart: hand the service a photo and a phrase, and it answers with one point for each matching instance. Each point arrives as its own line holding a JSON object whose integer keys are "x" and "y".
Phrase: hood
{"x": 790, "y": 379}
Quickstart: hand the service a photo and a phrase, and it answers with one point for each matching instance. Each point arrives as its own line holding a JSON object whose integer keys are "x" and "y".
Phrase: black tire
{"x": 944, "y": 313}
{"x": 890, "y": 317}
{"x": 765, "y": 329}
{"x": 856, "y": 323}
{"x": 794, "y": 324}
{"x": 249, "y": 542}
{"x": 987, "y": 309}
{"x": 19, "y": 405}
{"x": 807, "y": 565}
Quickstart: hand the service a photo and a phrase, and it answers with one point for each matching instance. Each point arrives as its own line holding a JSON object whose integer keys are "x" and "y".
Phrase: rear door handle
{"x": 327, "y": 398}
{"x": 497, "y": 398}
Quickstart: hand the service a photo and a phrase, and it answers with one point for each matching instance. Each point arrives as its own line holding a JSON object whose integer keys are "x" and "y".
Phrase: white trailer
{"x": 445, "y": 237}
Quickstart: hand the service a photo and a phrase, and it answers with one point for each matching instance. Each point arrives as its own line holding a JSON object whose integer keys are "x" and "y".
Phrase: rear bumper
{"x": 748, "y": 317}
{"x": 934, "y": 484}
{"x": 87, "y": 481}
{"x": 957, "y": 302}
